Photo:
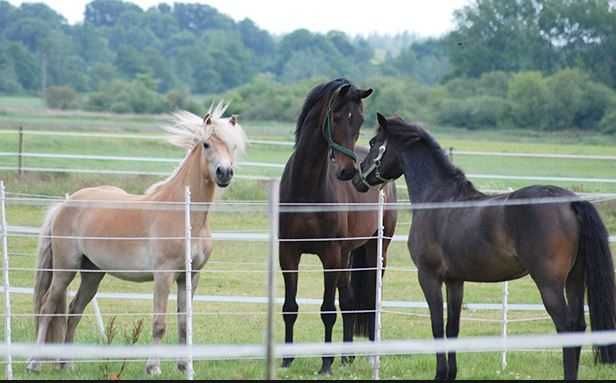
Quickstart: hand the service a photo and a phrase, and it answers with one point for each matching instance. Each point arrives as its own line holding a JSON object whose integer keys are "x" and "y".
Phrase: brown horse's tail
{"x": 599, "y": 274}
{"x": 57, "y": 325}
{"x": 363, "y": 284}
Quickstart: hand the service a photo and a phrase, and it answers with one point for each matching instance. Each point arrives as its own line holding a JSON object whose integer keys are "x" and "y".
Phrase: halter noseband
{"x": 328, "y": 132}
{"x": 375, "y": 167}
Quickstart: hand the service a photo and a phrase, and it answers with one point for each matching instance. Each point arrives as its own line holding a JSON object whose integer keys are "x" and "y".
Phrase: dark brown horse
{"x": 323, "y": 159}
{"x": 563, "y": 244}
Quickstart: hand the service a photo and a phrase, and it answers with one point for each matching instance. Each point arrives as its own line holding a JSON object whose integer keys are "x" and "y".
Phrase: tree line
{"x": 538, "y": 64}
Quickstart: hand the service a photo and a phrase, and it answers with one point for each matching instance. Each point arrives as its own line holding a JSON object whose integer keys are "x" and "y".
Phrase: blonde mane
{"x": 186, "y": 130}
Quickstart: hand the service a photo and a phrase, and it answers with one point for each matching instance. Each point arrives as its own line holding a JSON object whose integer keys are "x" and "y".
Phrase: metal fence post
{"x": 5, "y": 274}
{"x": 269, "y": 335}
{"x": 188, "y": 284}
{"x": 450, "y": 153}
{"x": 504, "y": 322}
{"x": 20, "y": 150}
{"x": 376, "y": 366}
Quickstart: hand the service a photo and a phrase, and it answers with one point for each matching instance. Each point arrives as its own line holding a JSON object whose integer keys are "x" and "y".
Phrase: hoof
{"x": 325, "y": 371}
{"x": 152, "y": 370}
{"x": 33, "y": 366}
{"x": 66, "y": 365}
{"x": 286, "y": 362}
{"x": 182, "y": 365}
{"x": 347, "y": 360}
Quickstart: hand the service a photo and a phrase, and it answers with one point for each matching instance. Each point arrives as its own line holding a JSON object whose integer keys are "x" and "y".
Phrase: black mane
{"x": 409, "y": 132}
{"x": 318, "y": 94}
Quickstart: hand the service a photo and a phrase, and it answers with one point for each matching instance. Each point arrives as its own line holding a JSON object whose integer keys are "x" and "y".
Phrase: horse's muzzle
{"x": 223, "y": 176}
{"x": 359, "y": 184}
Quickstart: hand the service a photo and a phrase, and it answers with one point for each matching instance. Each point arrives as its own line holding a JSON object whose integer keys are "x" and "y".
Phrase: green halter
{"x": 328, "y": 127}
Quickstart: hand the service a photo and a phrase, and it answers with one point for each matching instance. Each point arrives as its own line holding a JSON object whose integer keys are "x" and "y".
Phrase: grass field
{"x": 237, "y": 268}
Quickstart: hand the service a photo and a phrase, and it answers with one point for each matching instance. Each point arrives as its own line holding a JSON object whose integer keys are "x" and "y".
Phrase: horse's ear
{"x": 207, "y": 119}
{"x": 381, "y": 119}
{"x": 344, "y": 89}
{"x": 235, "y": 119}
{"x": 363, "y": 93}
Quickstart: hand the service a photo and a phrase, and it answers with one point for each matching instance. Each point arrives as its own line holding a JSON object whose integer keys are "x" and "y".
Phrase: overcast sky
{"x": 423, "y": 17}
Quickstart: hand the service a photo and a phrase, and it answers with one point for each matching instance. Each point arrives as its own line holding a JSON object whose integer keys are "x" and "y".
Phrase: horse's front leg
{"x": 162, "y": 284}
{"x": 347, "y": 307}
{"x": 431, "y": 286}
{"x": 331, "y": 260}
{"x": 181, "y": 312}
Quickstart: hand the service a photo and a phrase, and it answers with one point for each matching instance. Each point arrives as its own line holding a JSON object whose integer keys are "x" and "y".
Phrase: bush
{"x": 134, "y": 96}
{"x": 608, "y": 123}
{"x": 528, "y": 95}
{"x": 475, "y": 112}
{"x": 61, "y": 97}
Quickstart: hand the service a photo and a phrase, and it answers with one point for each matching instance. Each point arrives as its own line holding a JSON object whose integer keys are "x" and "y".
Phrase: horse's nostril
{"x": 230, "y": 172}
{"x": 219, "y": 171}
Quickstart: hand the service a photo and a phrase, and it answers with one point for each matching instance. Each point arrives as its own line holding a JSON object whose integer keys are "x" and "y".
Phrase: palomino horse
{"x": 561, "y": 242}
{"x": 69, "y": 238}
{"x": 324, "y": 157}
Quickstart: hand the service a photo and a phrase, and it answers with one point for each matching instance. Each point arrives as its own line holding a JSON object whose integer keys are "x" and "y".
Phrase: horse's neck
{"x": 189, "y": 174}
{"x": 426, "y": 180}
{"x": 310, "y": 166}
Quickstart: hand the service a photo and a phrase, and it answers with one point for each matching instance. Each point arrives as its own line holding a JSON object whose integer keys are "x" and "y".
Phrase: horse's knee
{"x": 289, "y": 312}
{"x": 328, "y": 315}
{"x": 578, "y": 325}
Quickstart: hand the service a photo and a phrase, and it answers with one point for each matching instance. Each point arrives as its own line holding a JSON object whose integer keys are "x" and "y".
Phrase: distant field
{"x": 235, "y": 323}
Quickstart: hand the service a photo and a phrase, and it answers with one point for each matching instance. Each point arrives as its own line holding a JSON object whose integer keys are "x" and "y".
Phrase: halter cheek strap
{"x": 375, "y": 167}
{"x": 328, "y": 130}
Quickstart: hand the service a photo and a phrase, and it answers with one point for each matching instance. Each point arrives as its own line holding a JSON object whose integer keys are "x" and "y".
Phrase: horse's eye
{"x": 371, "y": 142}
{"x": 350, "y": 115}
{"x": 206, "y": 145}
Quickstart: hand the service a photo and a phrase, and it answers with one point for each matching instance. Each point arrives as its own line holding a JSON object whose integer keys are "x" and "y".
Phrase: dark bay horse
{"x": 323, "y": 159}
{"x": 563, "y": 245}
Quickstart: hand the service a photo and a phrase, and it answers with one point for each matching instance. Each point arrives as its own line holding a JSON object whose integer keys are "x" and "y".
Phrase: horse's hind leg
{"x": 455, "y": 293}
{"x": 575, "y": 301}
{"x": 90, "y": 280}
{"x": 52, "y": 321}
{"x": 162, "y": 285}
{"x": 289, "y": 263}
{"x": 553, "y": 296}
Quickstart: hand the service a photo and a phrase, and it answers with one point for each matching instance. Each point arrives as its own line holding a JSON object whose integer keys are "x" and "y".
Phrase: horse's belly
{"x": 133, "y": 263}
{"x": 485, "y": 264}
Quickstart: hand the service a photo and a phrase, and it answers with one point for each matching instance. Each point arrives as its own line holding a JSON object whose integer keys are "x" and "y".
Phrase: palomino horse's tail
{"x": 594, "y": 248}
{"x": 363, "y": 285}
{"x": 57, "y": 325}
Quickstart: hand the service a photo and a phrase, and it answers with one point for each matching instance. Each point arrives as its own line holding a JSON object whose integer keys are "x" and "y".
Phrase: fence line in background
{"x": 291, "y": 144}
{"x": 248, "y": 164}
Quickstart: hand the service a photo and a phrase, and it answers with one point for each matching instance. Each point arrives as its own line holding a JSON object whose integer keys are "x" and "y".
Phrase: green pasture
{"x": 238, "y": 268}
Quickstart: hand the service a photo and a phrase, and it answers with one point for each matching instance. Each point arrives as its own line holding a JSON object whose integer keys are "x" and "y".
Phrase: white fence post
{"x": 5, "y": 274}
{"x": 376, "y": 366}
{"x": 504, "y": 322}
{"x": 269, "y": 336}
{"x": 188, "y": 284}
